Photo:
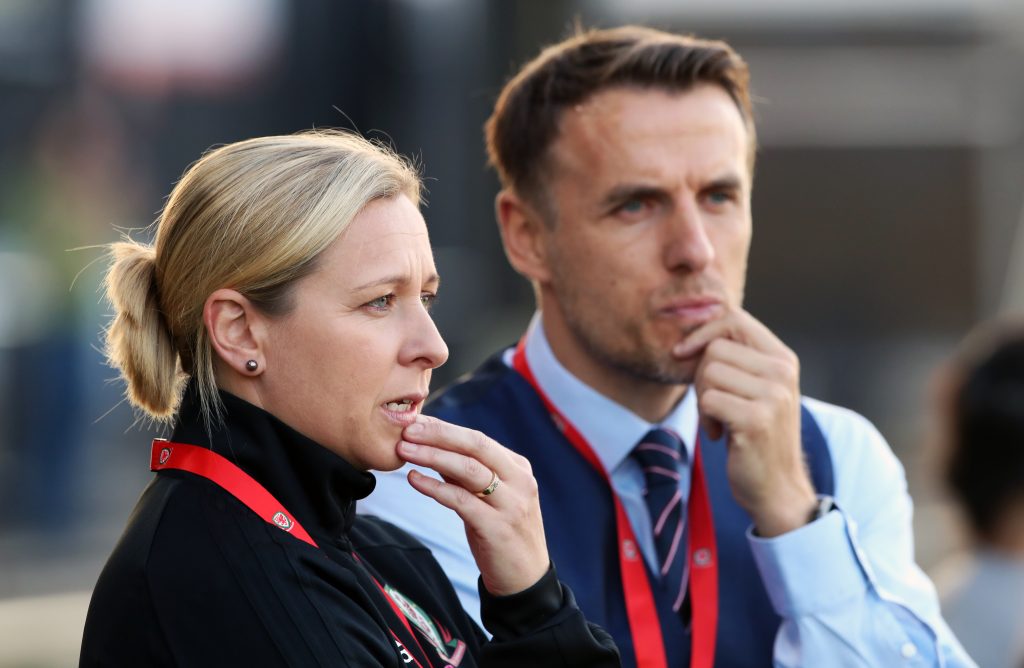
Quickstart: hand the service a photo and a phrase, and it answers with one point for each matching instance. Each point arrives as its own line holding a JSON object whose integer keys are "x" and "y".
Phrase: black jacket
{"x": 198, "y": 579}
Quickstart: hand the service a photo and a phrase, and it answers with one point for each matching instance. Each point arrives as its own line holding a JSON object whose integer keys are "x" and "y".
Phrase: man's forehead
{"x": 638, "y": 126}
{"x": 633, "y": 109}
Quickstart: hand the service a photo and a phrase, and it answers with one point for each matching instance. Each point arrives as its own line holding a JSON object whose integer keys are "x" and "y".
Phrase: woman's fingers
{"x": 467, "y": 459}
{"x": 468, "y": 442}
{"x": 506, "y": 539}
{"x": 467, "y": 472}
{"x": 503, "y": 527}
{"x": 465, "y": 504}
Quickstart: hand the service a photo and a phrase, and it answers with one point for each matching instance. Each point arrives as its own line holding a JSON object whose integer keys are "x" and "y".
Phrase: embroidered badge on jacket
{"x": 450, "y": 649}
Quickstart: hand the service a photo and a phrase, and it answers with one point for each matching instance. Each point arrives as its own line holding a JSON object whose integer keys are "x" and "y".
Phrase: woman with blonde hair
{"x": 281, "y": 323}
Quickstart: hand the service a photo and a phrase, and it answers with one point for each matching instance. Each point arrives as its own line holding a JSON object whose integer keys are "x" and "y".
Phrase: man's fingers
{"x": 736, "y": 325}
{"x": 732, "y": 379}
{"x": 779, "y": 368}
{"x": 730, "y": 411}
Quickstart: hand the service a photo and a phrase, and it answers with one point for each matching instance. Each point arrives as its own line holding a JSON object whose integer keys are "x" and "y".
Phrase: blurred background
{"x": 887, "y": 207}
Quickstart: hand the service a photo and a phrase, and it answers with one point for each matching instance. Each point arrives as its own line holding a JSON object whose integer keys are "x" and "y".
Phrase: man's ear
{"x": 234, "y": 327}
{"x": 524, "y": 235}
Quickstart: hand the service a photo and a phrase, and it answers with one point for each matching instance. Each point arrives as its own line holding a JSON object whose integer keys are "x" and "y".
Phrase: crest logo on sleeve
{"x": 165, "y": 454}
{"x": 449, "y": 648}
{"x": 283, "y": 521}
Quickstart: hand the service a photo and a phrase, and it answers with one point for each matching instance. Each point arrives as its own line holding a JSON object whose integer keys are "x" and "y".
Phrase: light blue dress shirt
{"x": 846, "y": 585}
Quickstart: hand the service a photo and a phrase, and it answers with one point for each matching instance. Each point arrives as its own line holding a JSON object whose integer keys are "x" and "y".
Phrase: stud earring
{"x": 252, "y": 365}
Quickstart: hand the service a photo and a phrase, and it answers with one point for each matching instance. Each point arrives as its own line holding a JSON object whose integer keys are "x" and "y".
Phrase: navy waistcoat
{"x": 579, "y": 518}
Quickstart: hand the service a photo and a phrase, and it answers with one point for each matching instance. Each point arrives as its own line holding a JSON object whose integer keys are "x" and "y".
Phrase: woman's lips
{"x": 402, "y": 412}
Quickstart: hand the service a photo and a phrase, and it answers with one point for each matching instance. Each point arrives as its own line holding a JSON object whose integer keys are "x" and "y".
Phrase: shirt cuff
{"x": 521, "y": 613}
{"x": 810, "y": 569}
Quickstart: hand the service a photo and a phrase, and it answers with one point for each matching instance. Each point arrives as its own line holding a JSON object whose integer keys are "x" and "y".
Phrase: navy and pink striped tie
{"x": 659, "y": 454}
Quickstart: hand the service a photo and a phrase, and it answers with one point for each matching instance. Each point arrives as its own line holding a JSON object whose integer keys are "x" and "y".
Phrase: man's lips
{"x": 692, "y": 310}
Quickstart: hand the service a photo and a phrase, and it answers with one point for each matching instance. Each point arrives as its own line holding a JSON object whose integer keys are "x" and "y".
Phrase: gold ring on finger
{"x": 487, "y": 491}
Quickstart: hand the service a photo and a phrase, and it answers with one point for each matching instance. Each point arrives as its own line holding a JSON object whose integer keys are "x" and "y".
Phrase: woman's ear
{"x": 235, "y": 330}
{"x": 524, "y": 235}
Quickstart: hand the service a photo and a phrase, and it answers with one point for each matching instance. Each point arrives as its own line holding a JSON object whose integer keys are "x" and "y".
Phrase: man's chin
{"x": 663, "y": 371}
{"x": 685, "y": 370}
{"x": 669, "y": 370}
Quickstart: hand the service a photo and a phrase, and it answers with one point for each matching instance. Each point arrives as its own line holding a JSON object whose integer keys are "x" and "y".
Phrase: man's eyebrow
{"x": 397, "y": 279}
{"x": 628, "y": 191}
{"x": 730, "y": 182}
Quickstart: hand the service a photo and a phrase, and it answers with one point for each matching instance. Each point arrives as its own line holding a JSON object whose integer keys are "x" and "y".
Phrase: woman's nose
{"x": 425, "y": 345}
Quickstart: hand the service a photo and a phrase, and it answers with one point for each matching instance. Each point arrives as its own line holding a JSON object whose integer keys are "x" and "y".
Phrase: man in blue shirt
{"x": 705, "y": 512}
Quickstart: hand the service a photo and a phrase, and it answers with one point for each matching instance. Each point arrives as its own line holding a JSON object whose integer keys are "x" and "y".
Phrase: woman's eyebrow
{"x": 394, "y": 279}
{"x": 397, "y": 279}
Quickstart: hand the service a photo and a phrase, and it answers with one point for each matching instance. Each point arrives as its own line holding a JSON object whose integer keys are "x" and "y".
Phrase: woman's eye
{"x": 381, "y": 302}
{"x": 428, "y": 299}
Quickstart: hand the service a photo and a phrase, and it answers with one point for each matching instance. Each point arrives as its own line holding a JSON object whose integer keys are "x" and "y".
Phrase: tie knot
{"x": 659, "y": 448}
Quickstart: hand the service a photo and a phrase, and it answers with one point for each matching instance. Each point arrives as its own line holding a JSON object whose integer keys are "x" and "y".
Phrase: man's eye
{"x": 720, "y": 197}
{"x": 633, "y": 206}
{"x": 428, "y": 299}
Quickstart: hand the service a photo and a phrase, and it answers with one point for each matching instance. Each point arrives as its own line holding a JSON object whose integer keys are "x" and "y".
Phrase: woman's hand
{"x": 504, "y": 527}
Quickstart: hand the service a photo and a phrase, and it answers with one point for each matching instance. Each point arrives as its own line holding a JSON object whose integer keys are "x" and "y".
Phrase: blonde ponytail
{"x": 139, "y": 344}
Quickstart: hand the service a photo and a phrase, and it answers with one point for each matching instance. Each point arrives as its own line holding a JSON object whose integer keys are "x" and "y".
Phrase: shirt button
{"x": 909, "y": 650}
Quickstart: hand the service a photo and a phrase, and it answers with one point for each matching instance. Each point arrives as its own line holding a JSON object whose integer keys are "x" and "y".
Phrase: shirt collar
{"x": 611, "y": 429}
{"x": 316, "y": 486}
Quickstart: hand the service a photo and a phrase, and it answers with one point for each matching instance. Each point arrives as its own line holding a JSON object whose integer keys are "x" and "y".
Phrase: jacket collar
{"x": 316, "y": 486}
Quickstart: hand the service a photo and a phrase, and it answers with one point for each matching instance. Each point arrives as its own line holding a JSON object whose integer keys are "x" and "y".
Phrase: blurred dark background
{"x": 887, "y": 204}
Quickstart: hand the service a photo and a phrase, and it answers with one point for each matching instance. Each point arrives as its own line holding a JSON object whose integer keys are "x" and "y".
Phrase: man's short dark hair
{"x": 526, "y": 117}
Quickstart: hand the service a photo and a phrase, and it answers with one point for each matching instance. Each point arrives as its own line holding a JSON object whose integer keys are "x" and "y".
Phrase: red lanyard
{"x": 701, "y": 552}
{"x": 238, "y": 483}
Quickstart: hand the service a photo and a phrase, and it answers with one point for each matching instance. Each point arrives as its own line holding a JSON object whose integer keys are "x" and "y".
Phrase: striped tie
{"x": 659, "y": 455}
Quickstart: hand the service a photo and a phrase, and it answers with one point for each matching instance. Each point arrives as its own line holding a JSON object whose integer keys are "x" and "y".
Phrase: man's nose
{"x": 688, "y": 246}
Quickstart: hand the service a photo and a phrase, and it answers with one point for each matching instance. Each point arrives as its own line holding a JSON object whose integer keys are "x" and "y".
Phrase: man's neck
{"x": 650, "y": 400}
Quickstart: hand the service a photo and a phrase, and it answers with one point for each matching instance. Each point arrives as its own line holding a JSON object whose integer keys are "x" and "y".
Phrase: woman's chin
{"x": 389, "y": 467}
{"x": 389, "y": 459}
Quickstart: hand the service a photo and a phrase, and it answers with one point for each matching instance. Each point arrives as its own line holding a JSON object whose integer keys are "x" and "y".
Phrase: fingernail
{"x": 681, "y": 349}
{"x": 414, "y": 428}
{"x": 408, "y": 448}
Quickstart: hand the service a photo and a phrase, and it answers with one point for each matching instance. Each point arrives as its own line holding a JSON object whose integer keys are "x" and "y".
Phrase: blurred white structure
{"x": 196, "y": 44}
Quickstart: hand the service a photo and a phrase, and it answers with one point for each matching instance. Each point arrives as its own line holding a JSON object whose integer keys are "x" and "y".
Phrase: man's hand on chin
{"x": 748, "y": 384}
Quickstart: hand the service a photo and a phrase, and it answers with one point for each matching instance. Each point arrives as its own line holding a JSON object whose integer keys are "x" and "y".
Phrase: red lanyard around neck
{"x": 208, "y": 464}
{"x": 641, "y": 611}
{"x": 242, "y": 486}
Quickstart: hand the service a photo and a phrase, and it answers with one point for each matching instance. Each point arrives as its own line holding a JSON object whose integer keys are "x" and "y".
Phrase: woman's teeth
{"x": 399, "y": 406}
